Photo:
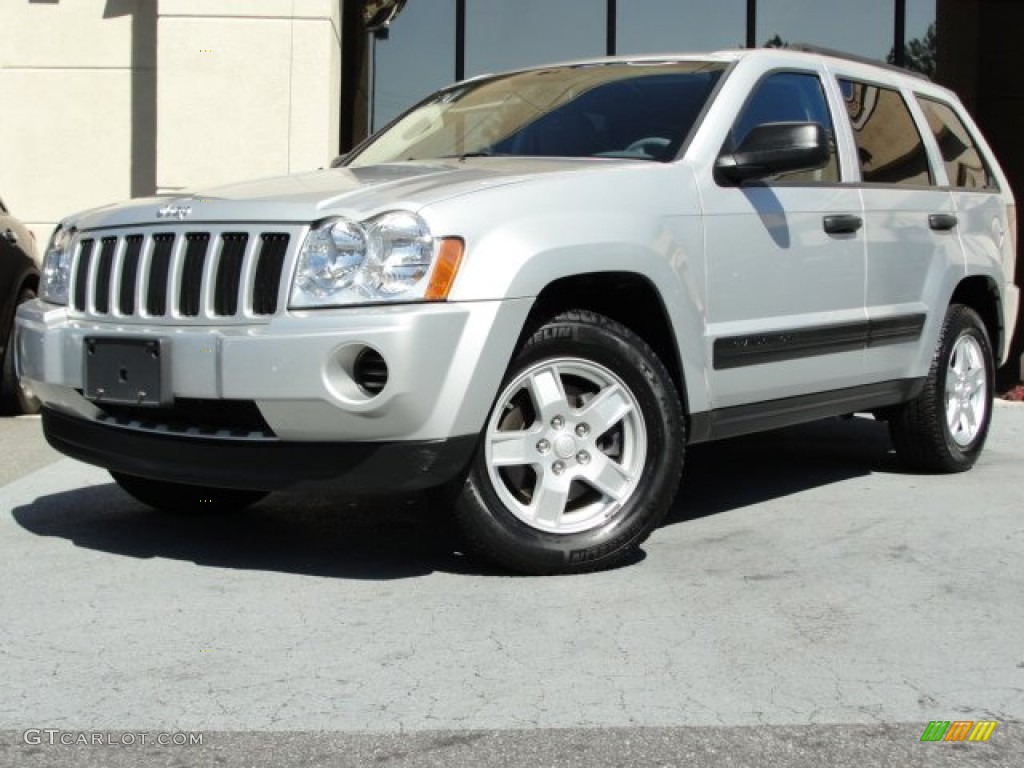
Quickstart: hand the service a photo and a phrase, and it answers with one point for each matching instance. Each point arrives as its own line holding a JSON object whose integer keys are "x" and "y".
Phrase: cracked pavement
{"x": 804, "y": 591}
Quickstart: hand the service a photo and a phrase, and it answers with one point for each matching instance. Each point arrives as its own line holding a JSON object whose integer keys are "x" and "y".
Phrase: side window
{"x": 965, "y": 166}
{"x": 789, "y": 97}
{"x": 889, "y": 147}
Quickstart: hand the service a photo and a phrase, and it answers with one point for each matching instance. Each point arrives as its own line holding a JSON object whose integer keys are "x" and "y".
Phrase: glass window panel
{"x": 965, "y": 167}
{"x": 662, "y": 26}
{"x": 789, "y": 97}
{"x": 608, "y": 110}
{"x": 417, "y": 58}
{"x": 889, "y": 147}
{"x": 503, "y": 35}
{"x": 920, "y": 16}
{"x": 864, "y": 27}
{"x": 921, "y": 44}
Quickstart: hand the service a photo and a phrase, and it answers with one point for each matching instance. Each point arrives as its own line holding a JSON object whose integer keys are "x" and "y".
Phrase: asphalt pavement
{"x": 807, "y": 603}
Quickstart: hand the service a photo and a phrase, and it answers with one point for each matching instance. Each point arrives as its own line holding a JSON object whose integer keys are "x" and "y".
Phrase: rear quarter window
{"x": 965, "y": 166}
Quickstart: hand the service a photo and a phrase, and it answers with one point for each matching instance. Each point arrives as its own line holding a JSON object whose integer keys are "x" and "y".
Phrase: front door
{"x": 785, "y": 267}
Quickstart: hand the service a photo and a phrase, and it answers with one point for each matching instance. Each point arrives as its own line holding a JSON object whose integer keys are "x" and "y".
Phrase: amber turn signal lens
{"x": 449, "y": 257}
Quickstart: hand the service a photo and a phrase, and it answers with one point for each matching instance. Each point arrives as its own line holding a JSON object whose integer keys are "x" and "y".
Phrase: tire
{"x": 15, "y": 398}
{"x": 581, "y": 455}
{"x": 181, "y": 499}
{"x": 944, "y": 428}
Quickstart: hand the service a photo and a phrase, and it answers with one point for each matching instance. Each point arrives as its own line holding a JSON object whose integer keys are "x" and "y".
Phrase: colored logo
{"x": 958, "y": 730}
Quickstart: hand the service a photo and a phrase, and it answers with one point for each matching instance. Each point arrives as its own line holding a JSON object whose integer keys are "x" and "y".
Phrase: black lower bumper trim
{"x": 349, "y": 467}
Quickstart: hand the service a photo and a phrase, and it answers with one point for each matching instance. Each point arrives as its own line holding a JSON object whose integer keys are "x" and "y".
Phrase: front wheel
{"x": 181, "y": 499}
{"x": 944, "y": 428}
{"x": 582, "y": 452}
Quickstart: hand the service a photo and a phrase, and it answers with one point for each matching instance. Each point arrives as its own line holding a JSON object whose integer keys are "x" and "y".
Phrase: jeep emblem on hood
{"x": 174, "y": 211}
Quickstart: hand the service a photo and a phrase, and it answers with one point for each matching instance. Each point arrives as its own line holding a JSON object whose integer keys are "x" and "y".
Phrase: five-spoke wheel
{"x": 582, "y": 452}
{"x": 565, "y": 445}
{"x": 967, "y": 400}
{"x": 944, "y": 428}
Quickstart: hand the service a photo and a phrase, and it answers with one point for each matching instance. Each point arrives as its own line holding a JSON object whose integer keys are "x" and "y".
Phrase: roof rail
{"x": 809, "y": 48}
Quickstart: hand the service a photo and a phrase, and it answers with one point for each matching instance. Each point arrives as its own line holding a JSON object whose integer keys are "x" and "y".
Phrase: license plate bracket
{"x": 127, "y": 371}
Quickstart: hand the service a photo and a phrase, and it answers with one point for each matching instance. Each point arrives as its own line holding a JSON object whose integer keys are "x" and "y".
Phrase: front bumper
{"x": 444, "y": 363}
{"x": 357, "y": 468}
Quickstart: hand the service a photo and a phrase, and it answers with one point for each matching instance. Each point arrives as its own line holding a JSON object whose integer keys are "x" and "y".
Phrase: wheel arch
{"x": 628, "y": 298}
{"x": 981, "y": 293}
{"x": 29, "y": 278}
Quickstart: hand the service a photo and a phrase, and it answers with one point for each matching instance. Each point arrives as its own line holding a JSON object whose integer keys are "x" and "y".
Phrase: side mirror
{"x": 774, "y": 148}
{"x": 339, "y": 161}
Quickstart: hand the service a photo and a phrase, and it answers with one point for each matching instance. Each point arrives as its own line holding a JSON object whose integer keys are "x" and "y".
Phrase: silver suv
{"x": 534, "y": 290}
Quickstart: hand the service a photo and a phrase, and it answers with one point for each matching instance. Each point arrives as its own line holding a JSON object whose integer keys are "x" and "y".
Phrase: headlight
{"x": 330, "y": 261}
{"x": 56, "y": 278}
{"x": 386, "y": 258}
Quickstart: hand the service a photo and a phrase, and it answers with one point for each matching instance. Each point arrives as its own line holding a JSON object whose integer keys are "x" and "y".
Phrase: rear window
{"x": 890, "y": 149}
{"x": 965, "y": 166}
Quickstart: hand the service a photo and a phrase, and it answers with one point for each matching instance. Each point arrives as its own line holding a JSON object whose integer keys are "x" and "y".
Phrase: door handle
{"x": 842, "y": 224}
{"x": 11, "y": 237}
{"x": 942, "y": 222}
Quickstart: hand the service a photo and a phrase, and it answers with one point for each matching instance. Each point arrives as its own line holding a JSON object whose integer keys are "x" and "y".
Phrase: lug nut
{"x": 558, "y": 422}
{"x": 582, "y": 430}
{"x": 583, "y": 457}
{"x": 558, "y": 467}
{"x": 543, "y": 446}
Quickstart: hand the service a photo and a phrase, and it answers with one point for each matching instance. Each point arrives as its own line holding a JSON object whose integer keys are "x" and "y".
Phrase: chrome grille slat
{"x": 159, "y": 275}
{"x": 268, "y": 273}
{"x": 104, "y": 268}
{"x": 193, "y": 265}
{"x": 81, "y": 273}
{"x": 201, "y": 274}
{"x": 229, "y": 273}
{"x": 129, "y": 276}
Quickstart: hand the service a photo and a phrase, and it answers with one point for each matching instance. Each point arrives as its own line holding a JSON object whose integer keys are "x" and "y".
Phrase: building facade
{"x": 122, "y": 98}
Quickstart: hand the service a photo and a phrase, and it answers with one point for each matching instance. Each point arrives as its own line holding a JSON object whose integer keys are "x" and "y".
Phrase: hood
{"x": 356, "y": 192}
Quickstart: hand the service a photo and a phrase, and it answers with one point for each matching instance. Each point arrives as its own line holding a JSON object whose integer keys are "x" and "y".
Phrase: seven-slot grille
{"x": 205, "y": 275}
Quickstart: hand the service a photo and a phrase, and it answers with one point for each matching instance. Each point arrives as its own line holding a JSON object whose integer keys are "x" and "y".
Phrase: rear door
{"x": 910, "y": 227}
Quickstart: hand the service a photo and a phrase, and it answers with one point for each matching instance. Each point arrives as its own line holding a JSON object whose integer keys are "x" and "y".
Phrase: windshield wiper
{"x": 476, "y": 153}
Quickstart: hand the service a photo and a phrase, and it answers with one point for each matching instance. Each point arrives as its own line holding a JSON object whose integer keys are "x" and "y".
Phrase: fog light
{"x": 370, "y": 372}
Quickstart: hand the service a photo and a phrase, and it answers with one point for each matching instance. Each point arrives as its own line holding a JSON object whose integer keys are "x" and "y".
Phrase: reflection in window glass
{"x": 921, "y": 49}
{"x": 417, "y": 58}
{"x": 864, "y": 27}
{"x": 503, "y": 35}
{"x": 663, "y": 26}
{"x": 612, "y": 110}
{"x": 889, "y": 147}
{"x": 964, "y": 165}
{"x": 789, "y": 97}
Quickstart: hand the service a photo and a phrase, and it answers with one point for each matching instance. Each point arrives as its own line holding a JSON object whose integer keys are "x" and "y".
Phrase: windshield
{"x": 642, "y": 110}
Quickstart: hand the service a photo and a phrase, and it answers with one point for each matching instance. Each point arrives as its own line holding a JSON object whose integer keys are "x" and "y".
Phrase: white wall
{"x": 246, "y": 89}
{"x": 65, "y": 83}
{"x": 106, "y": 99}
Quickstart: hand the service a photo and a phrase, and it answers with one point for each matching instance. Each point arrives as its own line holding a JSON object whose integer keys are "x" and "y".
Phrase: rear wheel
{"x": 581, "y": 455}
{"x": 178, "y": 498}
{"x": 16, "y": 397}
{"x": 944, "y": 428}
